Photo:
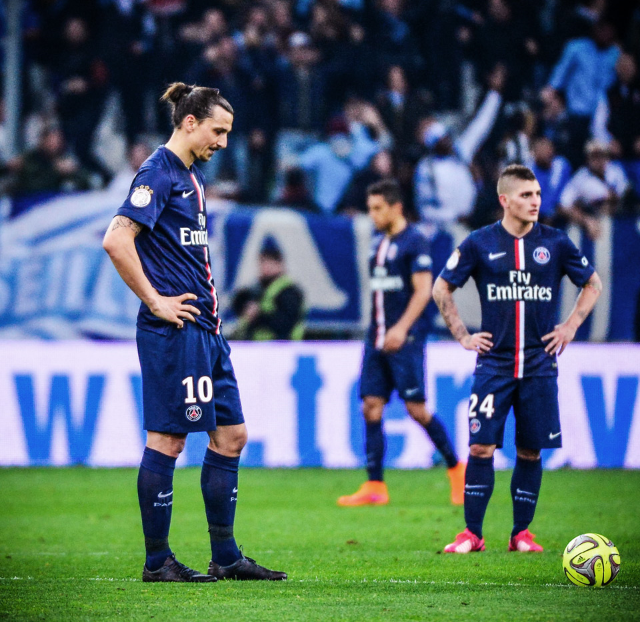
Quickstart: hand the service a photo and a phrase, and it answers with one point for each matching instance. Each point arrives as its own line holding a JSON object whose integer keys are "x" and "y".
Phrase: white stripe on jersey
{"x": 519, "y": 371}
{"x": 381, "y": 330}
{"x": 214, "y": 293}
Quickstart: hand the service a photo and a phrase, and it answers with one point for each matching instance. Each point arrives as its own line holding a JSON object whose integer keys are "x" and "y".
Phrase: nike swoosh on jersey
{"x": 493, "y": 256}
{"x": 185, "y": 194}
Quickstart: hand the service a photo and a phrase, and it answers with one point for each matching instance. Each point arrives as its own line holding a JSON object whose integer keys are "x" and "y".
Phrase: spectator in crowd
{"x": 595, "y": 190}
{"x": 218, "y": 67}
{"x": 349, "y": 147}
{"x": 295, "y": 193}
{"x": 48, "y": 168}
{"x": 136, "y": 155}
{"x": 274, "y": 308}
{"x": 208, "y": 30}
{"x": 584, "y": 72}
{"x": 395, "y": 44}
{"x": 81, "y": 86}
{"x": 618, "y": 114}
{"x": 355, "y": 198}
{"x": 516, "y": 143}
{"x": 444, "y": 186}
{"x": 509, "y": 38}
{"x": 127, "y": 43}
{"x": 401, "y": 107}
{"x": 553, "y": 172}
{"x": 301, "y": 85}
{"x": 554, "y": 121}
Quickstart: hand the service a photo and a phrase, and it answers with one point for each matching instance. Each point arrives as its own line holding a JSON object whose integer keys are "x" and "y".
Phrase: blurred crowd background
{"x": 331, "y": 95}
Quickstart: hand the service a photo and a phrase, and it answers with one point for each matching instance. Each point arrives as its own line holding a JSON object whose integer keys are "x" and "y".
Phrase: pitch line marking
{"x": 350, "y": 581}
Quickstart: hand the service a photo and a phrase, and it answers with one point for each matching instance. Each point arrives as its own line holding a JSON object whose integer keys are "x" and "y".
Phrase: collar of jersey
{"x": 176, "y": 157}
{"x": 513, "y": 237}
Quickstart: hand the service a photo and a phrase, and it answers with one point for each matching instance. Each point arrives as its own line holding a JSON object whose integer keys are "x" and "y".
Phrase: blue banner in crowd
{"x": 56, "y": 282}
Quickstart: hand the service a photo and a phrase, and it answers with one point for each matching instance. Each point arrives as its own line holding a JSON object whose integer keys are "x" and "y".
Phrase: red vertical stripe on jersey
{"x": 518, "y": 371}
{"x": 214, "y": 294}
{"x": 378, "y": 297}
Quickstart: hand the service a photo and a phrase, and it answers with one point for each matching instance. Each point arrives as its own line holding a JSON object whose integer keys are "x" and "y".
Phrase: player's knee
{"x": 528, "y": 454}
{"x": 229, "y": 440}
{"x": 372, "y": 408}
{"x": 169, "y": 444}
{"x": 482, "y": 451}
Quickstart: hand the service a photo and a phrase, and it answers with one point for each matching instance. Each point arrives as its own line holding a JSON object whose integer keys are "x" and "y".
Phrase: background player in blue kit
{"x": 158, "y": 244}
{"x": 517, "y": 265}
{"x": 401, "y": 279}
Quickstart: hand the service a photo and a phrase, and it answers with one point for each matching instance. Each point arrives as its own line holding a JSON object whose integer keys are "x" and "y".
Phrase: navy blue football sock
{"x": 479, "y": 480}
{"x": 438, "y": 435}
{"x": 525, "y": 487}
{"x": 374, "y": 448}
{"x": 155, "y": 494}
{"x": 219, "y": 482}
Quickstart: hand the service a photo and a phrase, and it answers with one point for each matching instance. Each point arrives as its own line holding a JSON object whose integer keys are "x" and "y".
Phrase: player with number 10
{"x": 158, "y": 243}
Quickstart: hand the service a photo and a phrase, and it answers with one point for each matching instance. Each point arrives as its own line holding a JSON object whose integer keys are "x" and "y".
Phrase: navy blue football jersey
{"x": 168, "y": 199}
{"x": 518, "y": 280}
{"x": 392, "y": 263}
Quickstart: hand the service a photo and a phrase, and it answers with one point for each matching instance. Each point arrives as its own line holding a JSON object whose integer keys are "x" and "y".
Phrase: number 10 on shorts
{"x": 205, "y": 389}
{"x": 486, "y": 408}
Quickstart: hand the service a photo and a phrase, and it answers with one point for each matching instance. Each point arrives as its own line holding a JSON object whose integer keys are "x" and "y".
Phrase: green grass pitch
{"x": 71, "y": 549}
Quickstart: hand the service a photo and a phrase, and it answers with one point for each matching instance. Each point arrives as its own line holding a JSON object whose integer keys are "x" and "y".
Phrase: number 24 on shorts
{"x": 205, "y": 389}
{"x": 486, "y": 408}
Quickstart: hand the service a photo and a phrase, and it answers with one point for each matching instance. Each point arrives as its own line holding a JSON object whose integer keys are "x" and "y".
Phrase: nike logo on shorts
{"x": 552, "y": 436}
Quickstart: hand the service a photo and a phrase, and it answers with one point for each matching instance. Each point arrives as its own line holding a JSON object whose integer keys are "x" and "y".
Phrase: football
{"x": 591, "y": 560}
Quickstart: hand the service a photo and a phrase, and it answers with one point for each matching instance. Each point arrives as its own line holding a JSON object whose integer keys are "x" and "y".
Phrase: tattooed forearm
{"x": 449, "y": 312}
{"x": 123, "y": 221}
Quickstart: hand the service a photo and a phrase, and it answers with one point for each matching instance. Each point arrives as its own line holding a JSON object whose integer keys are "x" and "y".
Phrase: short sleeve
{"x": 420, "y": 257}
{"x": 460, "y": 264}
{"x": 148, "y": 196}
{"x": 575, "y": 265}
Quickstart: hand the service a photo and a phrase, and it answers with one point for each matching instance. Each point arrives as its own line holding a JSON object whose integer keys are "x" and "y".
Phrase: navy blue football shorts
{"x": 402, "y": 370}
{"x": 535, "y": 405}
{"x": 188, "y": 382}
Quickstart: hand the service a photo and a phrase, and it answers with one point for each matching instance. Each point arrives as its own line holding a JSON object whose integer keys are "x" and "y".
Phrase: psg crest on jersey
{"x": 194, "y": 413}
{"x": 141, "y": 196}
{"x": 541, "y": 255}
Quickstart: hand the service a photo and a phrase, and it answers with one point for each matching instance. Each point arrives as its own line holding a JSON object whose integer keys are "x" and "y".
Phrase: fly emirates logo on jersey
{"x": 195, "y": 237}
{"x": 519, "y": 288}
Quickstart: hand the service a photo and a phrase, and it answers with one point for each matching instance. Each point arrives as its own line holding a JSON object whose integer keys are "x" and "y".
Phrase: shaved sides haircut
{"x": 511, "y": 173}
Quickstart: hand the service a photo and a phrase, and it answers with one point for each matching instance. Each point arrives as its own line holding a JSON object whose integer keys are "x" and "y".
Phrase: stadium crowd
{"x": 331, "y": 95}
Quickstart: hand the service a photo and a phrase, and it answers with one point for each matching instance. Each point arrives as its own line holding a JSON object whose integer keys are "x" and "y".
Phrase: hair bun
{"x": 176, "y": 92}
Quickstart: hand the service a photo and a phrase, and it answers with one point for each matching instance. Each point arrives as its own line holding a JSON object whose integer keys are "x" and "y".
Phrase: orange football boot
{"x": 456, "y": 478}
{"x": 370, "y": 493}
